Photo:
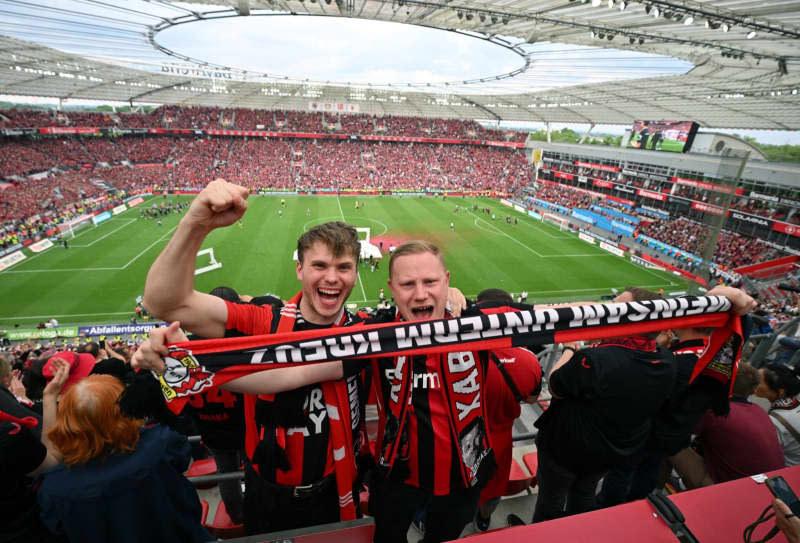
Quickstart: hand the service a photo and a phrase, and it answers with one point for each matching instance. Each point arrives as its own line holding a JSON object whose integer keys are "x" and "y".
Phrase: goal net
{"x": 555, "y": 220}
{"x": 69, "y": 228}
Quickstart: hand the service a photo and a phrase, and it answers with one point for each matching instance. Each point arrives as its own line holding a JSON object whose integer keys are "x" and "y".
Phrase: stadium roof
{"x": 745, "y": 56}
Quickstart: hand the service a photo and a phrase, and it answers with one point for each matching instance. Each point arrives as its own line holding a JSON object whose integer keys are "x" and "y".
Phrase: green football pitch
{"x": 97, "y": 279}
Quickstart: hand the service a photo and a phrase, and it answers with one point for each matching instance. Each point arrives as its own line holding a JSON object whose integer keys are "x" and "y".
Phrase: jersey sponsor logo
{"x": 427, "y": 380}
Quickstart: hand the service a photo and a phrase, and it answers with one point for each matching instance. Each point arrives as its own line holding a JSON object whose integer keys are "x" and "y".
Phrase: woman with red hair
{"x": 119, "y": 481}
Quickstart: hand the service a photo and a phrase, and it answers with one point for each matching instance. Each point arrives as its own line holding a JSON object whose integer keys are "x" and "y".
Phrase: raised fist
{"x": 220, "y": 204}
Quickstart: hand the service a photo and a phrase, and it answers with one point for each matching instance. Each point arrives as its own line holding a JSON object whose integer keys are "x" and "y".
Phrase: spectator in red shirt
{"x": 742, "y": 444}
{"x": 520, "y": 370}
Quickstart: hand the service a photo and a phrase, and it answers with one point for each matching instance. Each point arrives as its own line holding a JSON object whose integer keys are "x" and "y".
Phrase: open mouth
{"x": 422, "y": 312}
{"x": 329, "y": 295}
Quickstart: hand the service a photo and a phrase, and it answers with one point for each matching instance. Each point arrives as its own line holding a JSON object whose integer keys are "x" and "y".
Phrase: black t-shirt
{"x": 21, "y": 452}
{"x": 674, "y": 424}
{"x": 608, "y": 396}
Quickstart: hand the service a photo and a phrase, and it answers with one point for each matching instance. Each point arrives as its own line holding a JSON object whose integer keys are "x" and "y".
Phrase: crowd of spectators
{"x": 740, "y": 202}
{"x": 249, "y": 119}
{"x": 76, "y": 449}
{"x": 732, "y": 250}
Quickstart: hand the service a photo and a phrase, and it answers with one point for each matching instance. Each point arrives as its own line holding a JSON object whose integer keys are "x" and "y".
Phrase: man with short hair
{"x": 433, "y": 449}
{"x": 290, "y": 467}
{"x": 742, "y": 444}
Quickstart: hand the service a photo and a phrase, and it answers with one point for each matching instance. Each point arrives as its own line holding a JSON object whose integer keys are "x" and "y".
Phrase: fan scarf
{"x": 24, "y": 422}
{"x": 338, "y": 408}
{"x": 462, "y": 374}
{"x": 191, "y": 367}
{"x": 195, "y": 366}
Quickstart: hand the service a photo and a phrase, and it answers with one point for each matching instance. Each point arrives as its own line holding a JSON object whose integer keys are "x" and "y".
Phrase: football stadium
{"x": 408, "y": 270}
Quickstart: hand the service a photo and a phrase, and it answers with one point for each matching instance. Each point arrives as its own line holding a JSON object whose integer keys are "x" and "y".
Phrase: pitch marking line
{"x": 131, "y": 261}
{"x": 358, "y": 274}
{"x": 484, "y": 229}
{"x": 106, "y": 235}
{"x": 508, "y": 236}
{"x": 93, "y": 269}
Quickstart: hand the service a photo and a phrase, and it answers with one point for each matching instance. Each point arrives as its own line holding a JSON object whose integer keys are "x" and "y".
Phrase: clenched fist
{"x": 220, "y": 204}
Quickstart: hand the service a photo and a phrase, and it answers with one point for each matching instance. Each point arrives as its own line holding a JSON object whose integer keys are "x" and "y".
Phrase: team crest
{"x": 184, "y": 375}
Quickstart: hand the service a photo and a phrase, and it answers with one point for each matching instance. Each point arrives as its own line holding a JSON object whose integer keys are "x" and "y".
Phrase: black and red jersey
{"x": 306, "y": 440}
{"x": 219, "y": 414}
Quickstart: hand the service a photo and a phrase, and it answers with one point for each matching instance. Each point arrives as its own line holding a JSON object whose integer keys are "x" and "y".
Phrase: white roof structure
{"x": 745, "y": 56}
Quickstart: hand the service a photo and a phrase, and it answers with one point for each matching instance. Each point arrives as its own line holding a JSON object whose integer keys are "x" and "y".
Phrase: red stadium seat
{"x": 518, "y": 480}
{"x": 222, "y": 526}
{"x": 207, "y": 466}
{"x": 532, "y": 463}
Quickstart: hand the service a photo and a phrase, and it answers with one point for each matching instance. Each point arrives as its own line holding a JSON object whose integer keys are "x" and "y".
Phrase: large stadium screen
{"x": 673, "y": 136}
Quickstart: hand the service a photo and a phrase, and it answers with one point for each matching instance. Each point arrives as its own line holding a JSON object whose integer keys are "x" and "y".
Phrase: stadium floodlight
{"x": 752, "y": 34}
{"x": 688, "y": 20}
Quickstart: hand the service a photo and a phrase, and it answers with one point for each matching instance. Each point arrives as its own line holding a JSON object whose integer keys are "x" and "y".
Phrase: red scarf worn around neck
{"x": 337, "y": 405}
{"x": 461, "y": 376}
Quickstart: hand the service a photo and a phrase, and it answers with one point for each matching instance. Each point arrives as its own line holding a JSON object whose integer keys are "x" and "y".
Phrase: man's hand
{"x": 786, "y": 521}
{"x": 456, "y": 301}
{"x": 219, "y": 204}
{"x": 742, "y": 302}
{"x": 150, "y": 354}
{"x": 60, "y": 375}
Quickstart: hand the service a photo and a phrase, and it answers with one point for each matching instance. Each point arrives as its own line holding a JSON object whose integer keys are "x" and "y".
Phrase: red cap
{"x": 80, "y": 365}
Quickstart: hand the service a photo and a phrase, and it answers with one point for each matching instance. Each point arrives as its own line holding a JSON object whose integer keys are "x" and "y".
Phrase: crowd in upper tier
{"x": 249, "y": 119}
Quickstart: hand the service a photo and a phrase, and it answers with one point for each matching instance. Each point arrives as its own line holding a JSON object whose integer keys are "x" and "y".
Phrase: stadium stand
{"x": 81, "y": 171}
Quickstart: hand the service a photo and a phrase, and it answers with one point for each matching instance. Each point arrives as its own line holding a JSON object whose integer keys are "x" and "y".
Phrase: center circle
{"x": 339, "y": 50}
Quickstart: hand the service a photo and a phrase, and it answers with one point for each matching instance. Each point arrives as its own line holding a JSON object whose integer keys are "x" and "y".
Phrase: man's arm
{"x": 151, "y": 353}
{"x": 169, "y": 291}
{"x": 283, "y": 379}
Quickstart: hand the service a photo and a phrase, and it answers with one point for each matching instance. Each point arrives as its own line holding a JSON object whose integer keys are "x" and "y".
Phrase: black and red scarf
{"x": 18, "y": 422}
{"x": 338, "y": 409}
{"x": 462, "y": 374}
{"x": 195, "y": 366}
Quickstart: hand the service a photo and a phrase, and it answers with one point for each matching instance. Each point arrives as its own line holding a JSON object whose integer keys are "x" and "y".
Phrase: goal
{"x": 68, "y": 229}
{"x": 555, "y": 220}
{"x": 212, "y": 265}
